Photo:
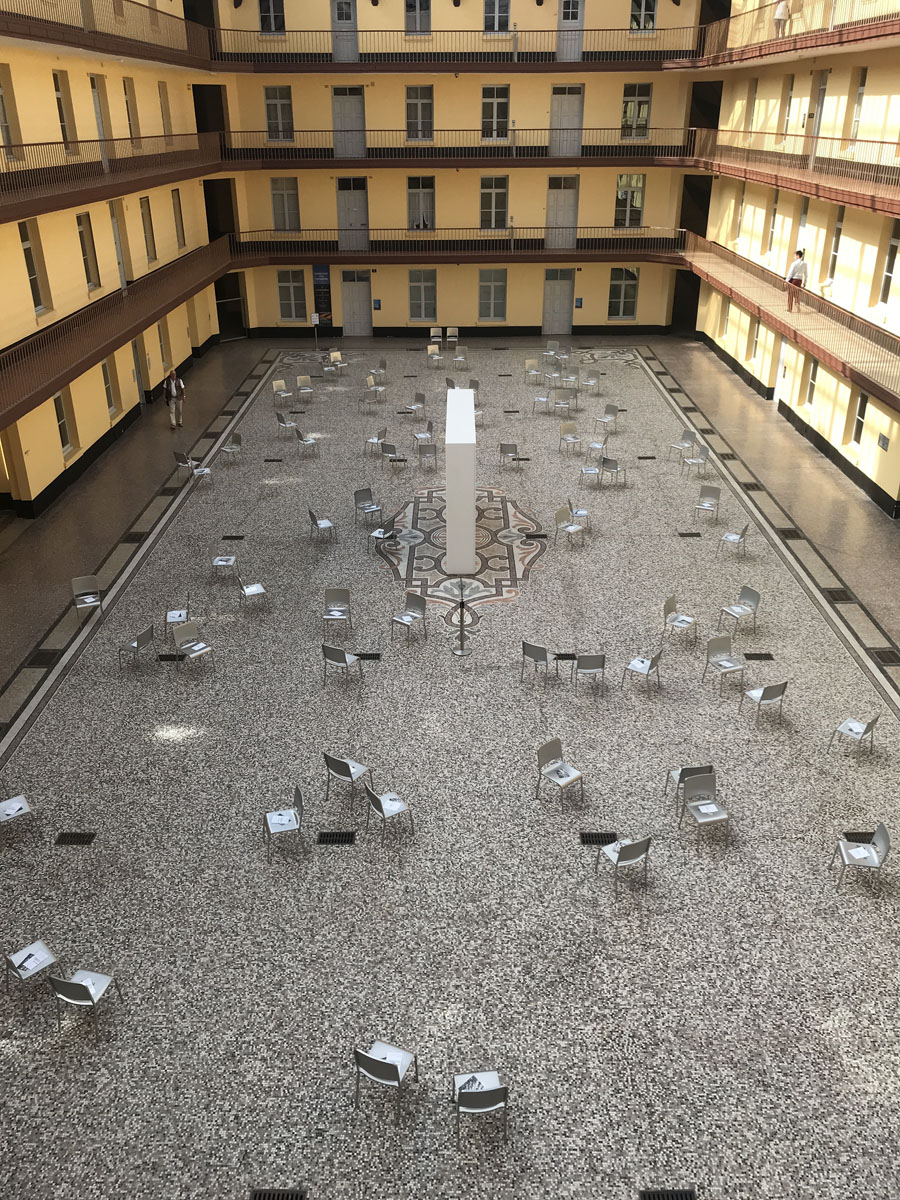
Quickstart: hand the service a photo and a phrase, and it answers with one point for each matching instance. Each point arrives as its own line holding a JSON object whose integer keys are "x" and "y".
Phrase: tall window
{"x": 496, "y": 16}
{"x": 165, "y": 351}
{"x": 420, "y": 202}
{"x": 636, "y": 109}
{"x": 88, "y": 251}
{"x": 291, "y": 296}
{"x": 64, "y": 108}
{"x": 859, "y": 420}
{"x": 770, "y": 239}
{"x": 726, "y": 314}
{"x": 787, "y": 95}
{"x": 752, "y": 92}
{"x": 811, "y": 382}
{"x": 419, "y": 113}
{"x": 495, "y": 112}
{"x": 858, "y": 102}
{"x": 423, "y": 295}
{"x": 623, "y": 293}
{"x": 131, "y": 111}
{"x": 418, "y": 16}
{"x": 643, "y": 14}
{"x": 571, "y": 10}
{"x": 836, "y": 241}
{"x": 34, "y": 265}
{"x": 494, "y": 201}
{"x": 755, "y": 343}
{"x": 285, "y": 204}
{"x": 279, "y": 114}
{"x": 630, "y": 200}
{"x": 739, "y": 213}
{"x": 62, "y": 423}
{"x": 165, "y": 113}
{"x": 492, "y": 295}
{"x": 804, "y": 212}
{"x": 110, "y": 384}
{"x": 179, "y": 218}
{"x": 6, "y": 133}
{"x": 147, "y": 221}
{"x": 271, "y": 16}
{"x": 890, "y": 263}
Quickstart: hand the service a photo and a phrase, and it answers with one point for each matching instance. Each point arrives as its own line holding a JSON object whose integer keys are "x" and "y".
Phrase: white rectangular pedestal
{"x": 460, "y": 557}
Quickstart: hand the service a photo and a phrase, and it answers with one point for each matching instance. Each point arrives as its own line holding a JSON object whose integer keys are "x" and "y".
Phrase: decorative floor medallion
{"x": 507, "y": 551}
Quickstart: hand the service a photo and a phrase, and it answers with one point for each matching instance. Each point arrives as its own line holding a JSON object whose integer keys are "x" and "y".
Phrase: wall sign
{"x": 322, "y": 292}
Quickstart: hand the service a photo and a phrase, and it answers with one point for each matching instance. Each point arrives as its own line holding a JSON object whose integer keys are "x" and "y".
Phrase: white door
{"x": 353, "y": 213}
{"x": 562, "y": 212}
{"x": 559, "y": 300}
{"x": 348, "y": 110}
{"x": 98, "y": 98}
{"x": 117, "y": 242}
{"x": 566, "y": 119}
{"x": 570, "y": 36}
{"x": 820, "y": 87}
{"x": 344, "y": 39}
{"x": 356, "y": 302}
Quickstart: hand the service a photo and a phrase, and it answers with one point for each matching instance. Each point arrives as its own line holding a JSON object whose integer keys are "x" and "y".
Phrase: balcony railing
{"x": 105, "y": 23}
{"x": 727, "y": 39}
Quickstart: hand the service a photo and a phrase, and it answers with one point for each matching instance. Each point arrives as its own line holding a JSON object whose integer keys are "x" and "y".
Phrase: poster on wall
{"x": 322, "y": 292}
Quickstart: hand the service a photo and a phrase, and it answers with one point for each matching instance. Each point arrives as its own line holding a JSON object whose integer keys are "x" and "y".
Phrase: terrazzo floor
{"x": 730, "y": 1026}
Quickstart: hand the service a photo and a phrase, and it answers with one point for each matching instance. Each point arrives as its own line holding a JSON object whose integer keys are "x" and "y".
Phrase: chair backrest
{"x": 563, "y": 516}
{"x": 881, "y": 840}
{"x": 146, "y": 639}
{"x": 609, "y": 464}
{"x": 700, "y": 785}
{"x": 388, "y": 527}
{"x": 432, "y": 349}
{"x": 451, "y": 383}
{"x": 535, "y": 653}
{"x": 370, "y": 381}
{"x": 335, "y": 356}
{"x": 278, "y": 385}
{"x": 186, "y": 633}
{"x": 376, "y": 1068}
{"x": 334, "y": 655}
{"x": 85, "y": 585}
{"x": 567, "y": 427}
{"x": 774, "y": 691}
{"x": 869, "y": 726}
{"x": 508, "y": 448}
{"x": 381, "y": 434}
{"x": 689, "y": 772}
{"x": 703, "y": 452}
{"x": 590, "y": 662}
{"x": 632, "y": 852}
{"x": 436, "y": 331}
{"x": 553, "y": 347}
{"x": 337, "y": 766}
{"x": 429, "y": 427}
{"x": 304, "y": 381}
{"x": 382, "y": 364}
{"x": 452, "y": 331}
{"x": 281, "y": 418}
{"x": 743, "y": 532}
{"x": 709, "y": 491}
{"x": 298, "y": 804}
{"x": 374, "y": 799}
{"x": 550, "y": 752}
{"x": 362, "y": 496}
{"x": 419, "y": 398}
{"x": 181, "y": 458}
{"x": 718, "y": 645}
{"x": 611, "y": 410}
{"x": 416, "y": 603}
{"x": 337, "y": 597}
{"x": 749, "y": 596}
{"x": 312, "y": 516}
{"x": 428, "y": 450}
{"x": 473, "y": 385}
{"x": 531, "y": 364}
{"x": 471, "y": 1101}
{"x": 670, "y": 606}
{"x": 72, "y": 993}
{"x": 654, "y": 661}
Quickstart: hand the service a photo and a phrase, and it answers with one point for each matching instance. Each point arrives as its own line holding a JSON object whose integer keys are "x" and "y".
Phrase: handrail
{"x": 725, "y": 39}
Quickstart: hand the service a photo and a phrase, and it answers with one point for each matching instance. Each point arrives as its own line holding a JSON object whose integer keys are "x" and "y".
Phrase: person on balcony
{"x": 798, "y": 273}
{"x": 782, "y": 16}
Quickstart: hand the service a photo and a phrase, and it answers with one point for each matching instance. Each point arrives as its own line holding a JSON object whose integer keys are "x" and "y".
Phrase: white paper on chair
{"x": 726, "y": 663}
{"x": 708, "y": 808}
{"x": 860, "y": 852}
{"x": 472, "y": 1084}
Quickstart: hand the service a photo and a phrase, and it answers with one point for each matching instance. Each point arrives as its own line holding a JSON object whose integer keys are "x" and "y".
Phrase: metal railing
{"x": 757, "y": 25}
{"x": 117, "y": 19}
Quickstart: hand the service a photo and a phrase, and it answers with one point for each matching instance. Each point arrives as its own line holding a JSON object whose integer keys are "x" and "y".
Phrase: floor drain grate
{"x": 646, "y": 457}
{"x": 368, "y": 657}
{"x": 132, "y": 539}
{"x": 75, "y": 838}
{"x": 337, "y": 837}
{"x": 759, "y": 656}
{"x": 887, "y": 657}
{"x": 692, "y": 533}
{"x": 278, "y": 1194}
{"x": 511, "y": 412}
{"x": 667, "y": 1194}
{"x": 564, "y": 656}
{"x": 706, "y": 429}
{"x": 604, "y": 838}
{"x": 689, "y": 408}
{"x": 790, "y": 534}
{"x": 752, "y": 487}
{"x": 297, "y": 412}
{"x": 535, "y": 535}
{"x": 44, "y": 658}
{"x": 728, "y": 456}
{"x": 265, "y": 460}
{"x": 169, "y": 491}
{"x": 410, "y": 377}
{"x": 233, "y": 537}
{"x": 169, "y": 657}
{"x": 838, "y": 595}
{"x": 504, "y": 376}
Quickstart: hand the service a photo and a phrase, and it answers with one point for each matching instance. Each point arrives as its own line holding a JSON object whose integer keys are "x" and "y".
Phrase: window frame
{"x": 178, "y": 215}
{"x": 419, "y": 288}
{"x": 621, "y": 281}
{"x": 494, "y": 127}
{"x": 419, "y": 127}
{"x": 88, "y": 250}
{"x": 859, "y": 421}
{"x": 642, "y": 17}
{"x": 418, "y": 190}
{"x": 890, "y": 262}
{"x": 634, "y": 95}
{"x": 110, "y": 385}
{"x": 64, "y": 111}
{"x": 288, "y": 200}
{"x": 30, "y": 239}
{"x": 497, "y": 292}
{"x": 288, "y": 290}
{"x": 63, "y": 422}
{"x": 132, "y": 114}
{"x": 493, "y": 187}
{"x": 417, "y": 18}
{"x": 496, "y": 16}
{"x": 811, "y": 381}
{"x": 149, "y": 234}
{"x": 626, "y": 208}
{"x": 273, "y": 11}
{"x": 836, "y": 241}
{"x": 276, "y": 107}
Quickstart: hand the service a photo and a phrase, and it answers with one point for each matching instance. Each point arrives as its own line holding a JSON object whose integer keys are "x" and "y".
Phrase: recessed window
{"x": 34, "y": 265}
{"x": 636, "y": 109}
{"x": 495, "y": 112}
{"x": 494, "y": 201}
{"x": 836, "y": 241}
{"x": 419, "y": 113}
{"x": 860, "y": 419}
{"x": 890, "y": 263}
{"x": 623, "y": 293}
{"x": 63, "y": 424}
{"x": 147, "y": 221}
{"x": 629, "y": 200}
{"x": 285, "y": 204}
{"x": 492, "y": 295}
{"x": 271, "y": 16}
{"x": 110, "y": 384}
{"x": 131, "y": 111}
{"x": 165, "y": 113}
{"x": 279, "y": 114}
{"x": 179, "y": 218}
{"x": 811, "y": 382}
{"x": 88, "y": 251}
{"x": 858, "y": 101}
{"x": 418, "y": 16}
{"x": 420, "y": 202}
{"x": 292, "y": 295}
{"x": 770, "y": 239}
{"x": 643, "y": 14}
{"x": 9, "y": 125}
{"x": 423, "y": 295}
{"x": 496, "y": 16}
{"x": 64, "y": 110}
{"x": 754, "y": 346}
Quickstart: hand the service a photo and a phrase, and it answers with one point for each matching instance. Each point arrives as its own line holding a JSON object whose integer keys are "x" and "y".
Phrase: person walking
{"x": 782, "y": 16}
{"x": 174, "y": 391}
{"x": 798, "y": 273}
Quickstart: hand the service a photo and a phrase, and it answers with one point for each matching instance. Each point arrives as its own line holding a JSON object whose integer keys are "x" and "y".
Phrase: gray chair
{"x": 283, "y": 820}
{"x": 86, "y": 594}
{"x": 416, "y": 409}
{"x": 376, "y": 392}
{"x": 509, "y": 453}
{"x": 591, "y": 667}
{"x": 676, "y": 621}
{"x": 723, "y": 660}
{"x": 251, "y": 591}
{"x": 737, "y": 541}
{"x": 428, "y": 456}
{"x": 554, "y": 769}
{"x": 321, "y": 527}
{"x": 345, "y": 770}
{"x": 386, "y": 533}
{"x": 685, "y": 443}
{"x": 766, "y": 697}
{"x": 540, "y": 404}
{"x": 306, "y": 445}
{"x": 644, "y": 667}
{"x": 565, "y": 524}
{"x": 387, "y": 1065}
{"x": 26, "y": 964}
{"x": 234, "y": 447}
{"x": 334, "y": 364}
{"x": 610, "y": 419}
{"x": 390, "y": 456}
{"x": 219, "y": 562}
{"x": 365, "y": 506}
{"x": 700, "y": 801}
{"x": 337, "y": 609}
{"x": 461, "y": 358}
{"x": 143, "y": 641}
{"x": 700, "y": 460}
{"x": 436, "y": 334}
{"x": 856, "y": 733}
{"x": 14, "y": 809}
{"x": 193, "y": 467}
{"x": 451, "y": 338}
{"x": 478, "y": 1092}
{"x": 865, "y": 856}
{"x": 474, "y": 386}
{"x": 708, "y": 501}
{"x": 386, "y": 805}
{"x": 590, "y": 382}
{"x": 537, "y": 656}
{"x": 279, "y": 391}
{"x": 612, "y": 467}
{"x": 533, "y": 372}
{"x": 284, "y": 425}
{"x": 550, "y": 354}
{"x": 83, "y": 989}
{"x": 415, "y": 611}
{"x": 435, "y": 358}
{"x": 340, "y": 660}
{"x": 189, "y": 644}
{"x": 679, "y": 776}
{"x": 597, "y": 449}
{"x": 177, "y": 616}
{"x": 581, "y": 515}
{"x": 587, "y": 474}
{"x": 424, "y": 436}
{"x": 379, "y": 373}
{"x": 746, "y": 605}
{"x": 623, "y": 854}
{"x": 569, "y": 436}
{"x": 305, "y": 387}
{"x": 564, "y": 400}
{"x": 451, "y": 383}
{"x": 372, "y": 444}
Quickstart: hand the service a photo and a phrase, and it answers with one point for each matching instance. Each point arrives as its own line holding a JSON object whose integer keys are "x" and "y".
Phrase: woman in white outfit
{"x": 782, "y": 16}
{"x": 797, "y": 275}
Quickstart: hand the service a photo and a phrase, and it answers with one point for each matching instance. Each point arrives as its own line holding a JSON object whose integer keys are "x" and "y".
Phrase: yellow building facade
{"x": 174, "y": 174}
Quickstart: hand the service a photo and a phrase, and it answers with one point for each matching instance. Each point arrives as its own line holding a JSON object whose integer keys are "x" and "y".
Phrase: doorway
{"x": 210, "y": 107}
{"x": 353, "y": 213}
{"x": 562, "y": 212}
{"x": 817, "y": 97}
{"x": 230, "y": 306}
{"x": 566, "y": 120}
{"x": 559, "y": 300}
{"x": 117, "y": 227}
{"x": 218, "y": 195}
{"x": 101, "y": 118}
{"x": 571, "y": 30}
{"x": 344, "y": 37}
{"x": 348, "y": 111}
{"x": 356, "y": 303}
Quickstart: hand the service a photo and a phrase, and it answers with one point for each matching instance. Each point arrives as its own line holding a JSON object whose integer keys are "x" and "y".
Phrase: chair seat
{"x": 571, "y": 528}
{"x": 282, "y": 821}
{"x": 356, "y": 769}
{"x": 738, "y": 610}
{"x": 640, "y": 665}
{"x": 89, "y": 599}
{"x": 561, "y": 773}
{"x": 488, "y": 1080}
{"x": 339, "y": 613}
{"x": 391, "y": 1054}
{"x": 732, "y": 537}
{"x": 680, "y": 620}
{"x": 176, "y": 616}
{"x": 612, "y": 851}
{"x": 224, "y": 560}
{"x": 94, "y": 981}
{"x": 755, "y": 694}
{"x": 194, "y": 649}
{"x": 32, "y": 959}
{"x": 706, "y": 812}
{"x": 254, "y": 589}
{"x": 392, "y": 804}
{"x": 707, "y": 505}
{"x": 406, "y": 618}
{"x": 590, "y": 470}
{"x": 852, "y": 728}
{"x": 15, "y": 806}
{"x": 852, "y": 856}
{"x": 324, "y": 523}
{"x": 202, "y": 471}
{"x": 726, "y": 665}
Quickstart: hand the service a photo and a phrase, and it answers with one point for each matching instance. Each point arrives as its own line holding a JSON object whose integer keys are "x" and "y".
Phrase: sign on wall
{"x": 322, "y": 292}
